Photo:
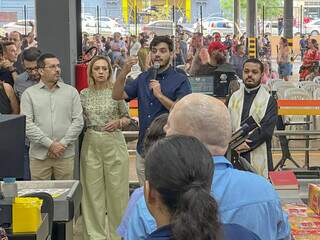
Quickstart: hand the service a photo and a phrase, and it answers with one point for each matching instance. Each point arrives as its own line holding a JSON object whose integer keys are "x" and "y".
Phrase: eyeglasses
{"x": 31, "y": 69}
{"x": 53, "y": 66}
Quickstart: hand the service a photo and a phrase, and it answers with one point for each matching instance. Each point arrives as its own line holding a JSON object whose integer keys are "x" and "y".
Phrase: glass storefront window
{"x": 16, "y": 15}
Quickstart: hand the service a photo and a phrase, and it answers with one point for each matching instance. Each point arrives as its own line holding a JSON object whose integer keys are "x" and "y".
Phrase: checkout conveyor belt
{"x": 66, "y": 198}
{"x": 66, "y": 195}
{"x": 301, "y": 195}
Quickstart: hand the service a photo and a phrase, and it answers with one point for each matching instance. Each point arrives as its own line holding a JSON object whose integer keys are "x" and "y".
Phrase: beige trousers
{"x": 140, "y": 162}
{"x": 61, "y": 169}
{"x": 104, "y": 177}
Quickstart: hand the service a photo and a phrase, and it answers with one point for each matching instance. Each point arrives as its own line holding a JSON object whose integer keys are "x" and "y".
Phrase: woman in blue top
{"x": 179, "y": 171}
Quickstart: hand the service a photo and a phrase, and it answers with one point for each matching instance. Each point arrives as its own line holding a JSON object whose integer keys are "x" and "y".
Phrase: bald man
{"x": 190, "y": 117}
{"x": 243, "y": 198}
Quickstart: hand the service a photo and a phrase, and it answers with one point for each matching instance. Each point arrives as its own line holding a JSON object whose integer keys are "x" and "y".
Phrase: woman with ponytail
{"x": 179, "y": 171}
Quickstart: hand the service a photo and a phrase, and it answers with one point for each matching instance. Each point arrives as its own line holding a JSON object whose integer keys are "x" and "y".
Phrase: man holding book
{"x": 254, "y": 100}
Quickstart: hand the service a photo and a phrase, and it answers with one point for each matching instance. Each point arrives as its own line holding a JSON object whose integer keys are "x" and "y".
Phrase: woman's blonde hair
{"x": 91, "y": 81}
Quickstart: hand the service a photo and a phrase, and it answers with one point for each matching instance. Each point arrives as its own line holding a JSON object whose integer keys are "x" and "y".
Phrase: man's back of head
{"x": 257, "y": 206}
{"x": 244, "y": 198}
{"x": 204, "y": 117}
{"x": 31, "y": 54}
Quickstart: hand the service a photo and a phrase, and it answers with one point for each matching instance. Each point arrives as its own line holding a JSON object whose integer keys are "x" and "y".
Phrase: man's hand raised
{"x": 132, "y": 60}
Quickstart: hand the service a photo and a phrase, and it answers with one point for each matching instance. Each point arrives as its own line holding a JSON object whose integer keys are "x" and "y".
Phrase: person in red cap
{"x": 217, "y": 66}
{"x": 217, "y": 57}
{"x": 218, "y": 47}
{"x": 217, "y": 37}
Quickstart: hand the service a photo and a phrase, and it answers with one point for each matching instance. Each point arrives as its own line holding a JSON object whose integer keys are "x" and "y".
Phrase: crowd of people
{"x": 183, "y": 136}
{"x": 310, "y": 56}
{"x": 189, "y": 47}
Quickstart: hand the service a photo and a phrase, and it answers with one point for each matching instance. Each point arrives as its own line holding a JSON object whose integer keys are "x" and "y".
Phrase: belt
{"x": 97, "y": 128}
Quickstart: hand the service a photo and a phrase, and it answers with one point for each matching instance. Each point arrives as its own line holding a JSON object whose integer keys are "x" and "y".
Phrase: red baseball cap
{"x": 217, "y": 35}
{"x": 216, "y": 46}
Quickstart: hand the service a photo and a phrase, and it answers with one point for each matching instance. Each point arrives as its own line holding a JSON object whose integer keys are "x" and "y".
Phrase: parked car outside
{"x": 271, "y": 28}
{"x": 165, "y": 27}
{"x": 19, "y": 26}
{"x": 160, "y": 27}
{"x": 206, "y": 22}
{"x": 89, "y": 26}
{"x": 220, "y": 25}
{"x": 106, "y": 26}
{"x": 313, "y": 27}
{"x": 109, "y": 23}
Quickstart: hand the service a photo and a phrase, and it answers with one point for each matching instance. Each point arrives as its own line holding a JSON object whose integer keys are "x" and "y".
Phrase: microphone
{"x": 156, "y": 67}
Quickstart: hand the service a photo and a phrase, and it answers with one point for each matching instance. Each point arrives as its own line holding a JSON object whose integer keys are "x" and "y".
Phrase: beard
{"x": 220, "y": 58}
{"x": 251, "y": 84}
{"x": 165, "y": 63}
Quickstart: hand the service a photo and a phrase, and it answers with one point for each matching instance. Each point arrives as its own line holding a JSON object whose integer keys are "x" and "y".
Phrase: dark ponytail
{"x": 196, "y": 216}
{"x": 180, "y": 168}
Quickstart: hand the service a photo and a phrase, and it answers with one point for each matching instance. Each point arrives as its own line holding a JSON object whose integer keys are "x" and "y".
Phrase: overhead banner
{"x": 167, "y": 8}
{"x": 125, "y": 13}
{"x": 188, "y": 10}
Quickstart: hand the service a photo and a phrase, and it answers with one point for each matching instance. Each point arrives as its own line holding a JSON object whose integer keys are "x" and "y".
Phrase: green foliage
{"x": 273, "y": 8}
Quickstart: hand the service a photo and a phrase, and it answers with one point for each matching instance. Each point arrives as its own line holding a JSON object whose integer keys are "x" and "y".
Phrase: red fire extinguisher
{"x": 81, "y": 69}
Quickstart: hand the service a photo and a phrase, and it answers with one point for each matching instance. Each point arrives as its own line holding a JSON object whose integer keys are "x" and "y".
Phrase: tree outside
{"x": 273, "y": 8}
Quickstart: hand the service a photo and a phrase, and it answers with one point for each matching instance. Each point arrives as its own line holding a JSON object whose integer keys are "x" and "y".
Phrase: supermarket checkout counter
{"x": 67, "y": 197}
{"x": 304, "y": 221}
{"x": 303, "y": 193}
{"x": 66, "y": 193}
{"x": 41, "y": 234}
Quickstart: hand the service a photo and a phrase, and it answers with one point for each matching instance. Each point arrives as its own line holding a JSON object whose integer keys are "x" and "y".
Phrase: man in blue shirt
{"x": 156, "y": 90}
{"x": 243, "y": 198}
